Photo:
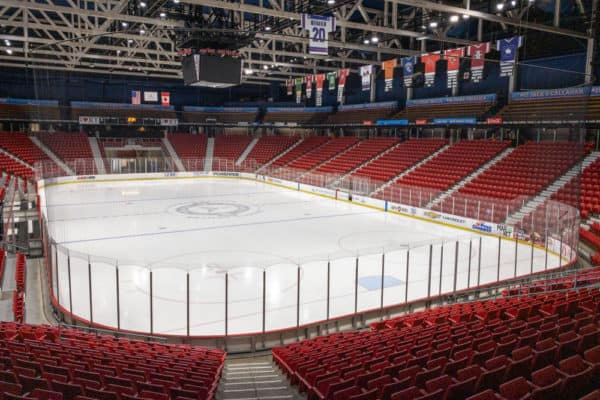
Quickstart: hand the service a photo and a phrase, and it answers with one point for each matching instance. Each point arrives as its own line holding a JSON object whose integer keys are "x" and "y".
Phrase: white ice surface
{"x": 213, "y": 227}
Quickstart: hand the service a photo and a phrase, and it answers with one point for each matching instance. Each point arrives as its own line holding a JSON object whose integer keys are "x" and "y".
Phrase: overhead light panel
{"x": 433, "y": 24}
{"x": 500, "y": 6}
{"x": 374, "y": 39}
{"x": 143, "y": 4}
{"x": 454, "y": 18}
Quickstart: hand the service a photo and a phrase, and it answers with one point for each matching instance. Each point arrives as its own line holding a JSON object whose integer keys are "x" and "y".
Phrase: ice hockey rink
{"x": 158, "y": 245}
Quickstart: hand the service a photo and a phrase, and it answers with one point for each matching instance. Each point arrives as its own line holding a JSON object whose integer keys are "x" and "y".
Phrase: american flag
{"x": 136, "y": 97}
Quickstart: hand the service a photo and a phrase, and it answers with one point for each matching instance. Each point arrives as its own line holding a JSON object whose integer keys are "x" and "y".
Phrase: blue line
{"x": 212, "y": 228}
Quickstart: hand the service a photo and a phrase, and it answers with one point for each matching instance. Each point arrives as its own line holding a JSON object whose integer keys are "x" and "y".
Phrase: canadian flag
{"x": 165, "y": 98}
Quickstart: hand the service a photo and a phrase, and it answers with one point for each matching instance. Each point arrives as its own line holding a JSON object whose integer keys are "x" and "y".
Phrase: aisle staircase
{"x": 97, "y": 155}
{"x": 247, "y": 151}
{"x": 406, "y": 171}
{"x": 52, "y": 156}
{"x": 173, "y": 154}
{"x": 469, "y": 178}
{"x": 208, "y": 158}
{"x": 547, "y": 193}
{"x": 254, "y": 378}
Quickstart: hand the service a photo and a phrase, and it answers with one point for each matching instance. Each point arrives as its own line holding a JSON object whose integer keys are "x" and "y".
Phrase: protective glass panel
{"x": 437, "y": 259}
{"x": 134, "y": 294}
{"x": 489, "y": 259}
{"x": 169, "y": 299}
{"x": 281, "y": 296}
{"x": 80, "y": 285}
{"x": 207, "y": 302}
{"x": 313, "y": 292}
{"x": 417, "y": 272}
{"x": 369, "y": 282}
{"x": 507, "y": 259}
{"x": 450, "y": 249}
{"x": 245, "y": 300}
{"x": 54, "y": 267}
{"x": 342, "y": 287}
{"x": 63, "y": 278}
{"x": 104, "y": 293}
{"x": 395, "y": 278}
{"x": 464, "y": 260}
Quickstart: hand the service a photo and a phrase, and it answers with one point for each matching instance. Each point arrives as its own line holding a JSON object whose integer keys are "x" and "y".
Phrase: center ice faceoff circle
{"x": 213, "y": 209}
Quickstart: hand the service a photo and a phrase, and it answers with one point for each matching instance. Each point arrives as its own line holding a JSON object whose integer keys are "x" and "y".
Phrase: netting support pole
{"x": 298, "y": 299}
{"x": 264, "y": 301}
{"x": 546, "y": 255}
{"x": 516, "y": 252}
{"x": 226, "y": 303}
{"x": 469, "y": 264}
{"x": 479, "y": 263}
{"x": 406, "y": 278}
{"x": 382, "y": 279}
{"x": 151, "y": 303}
{"x": 499, "y": 253}
{"x": 57, "y": 280}
{"x": 187, "y": 302}
{"x": 70, "y": 287}
{"x": 429, "y": 272}
{"x": 441, "y": 268}
{"x": 118, "y": 298}
{"x": 356, "y": 287}
{"x": 328, "y": 287}
{"x": 90, "y": 290}
{"x": 455, "y": 265}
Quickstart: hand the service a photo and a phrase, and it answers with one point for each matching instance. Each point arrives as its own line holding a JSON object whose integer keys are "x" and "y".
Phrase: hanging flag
{"x": 343, "y": 74}
{"x": 299, "y": 82}
{"x": 408, "y": 69}
{"x": 477, "y": 53}
{"x": 319, "y": 78}
{"x": 308, "y": 79}
{"x": 388, "y": 73}
{"x": 289, "y": 83}
{"x": 508, "y": 49}
{"x": 453, "y": 57}
{"x": 318, "y": 27}
{"x": 165, "y": 98}
{"x": 429, "y": 60}
{"x": 366, "y": 71}
{"x": 136, "y": 97}
{"x": 331, "y": 80}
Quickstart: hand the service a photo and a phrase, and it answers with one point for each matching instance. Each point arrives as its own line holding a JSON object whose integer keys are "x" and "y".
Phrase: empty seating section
{"x": 20, "y": 146}
{"x": 228, "y": 148}
{"x": 79, "y": 365}
{"x": 357, "y": 115}
{"x": 122, "y": 111}
{"x": 220, "y": 115}
{"x": 268, "y": 147}
{"x": 189, "y": 146}
{"x": 583, "y": 191}
{"x": 356, "y": 156}
{"x": 449, "y": 167}
{"x": 29, "y": 112}
{"x": 400, "y": 158}
{"x": 505, "y": 186}
{"x": 322, "y": 153}
{"x": 308, "y": 144}
{"x": 308, "y": 115}
{"x": 429, "y": 112}
{"x": 14, "y": 167}
{"x": 538, "y": 346}
{"x": 560, "y": 109}
{"x": 73, "y": 148}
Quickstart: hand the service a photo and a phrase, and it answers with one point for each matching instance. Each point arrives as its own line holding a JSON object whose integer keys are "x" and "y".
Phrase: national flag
{"x": 165, "y": 98}
{"x": 136, "y": 97}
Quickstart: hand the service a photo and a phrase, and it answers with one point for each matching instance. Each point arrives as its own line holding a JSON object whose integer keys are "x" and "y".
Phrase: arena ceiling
{"x": 143, "y": 37}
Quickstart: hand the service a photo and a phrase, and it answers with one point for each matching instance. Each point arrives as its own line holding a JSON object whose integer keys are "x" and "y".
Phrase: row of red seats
{"x": 76, "y": 364}
{"x": 319, "y": 155}
{"x": 71, "y": 146}
{"x": 590, "y": 238}
{"x": 230, "y": 148}
{"x": 13, "y": 167}
{"x": 19, "y": 144}
{"x": 397, "y": 160}
{"x": 19, "y": 293}
{"x": 356, "y": 156}
{"x": 188, "y": 146}
{"x": 453, "y": 164}
{"x": 308, "y": 144}
{"x": 584, "y": 278}
{"x": 456, "y": 351}
{"x": 268, "y": 147}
